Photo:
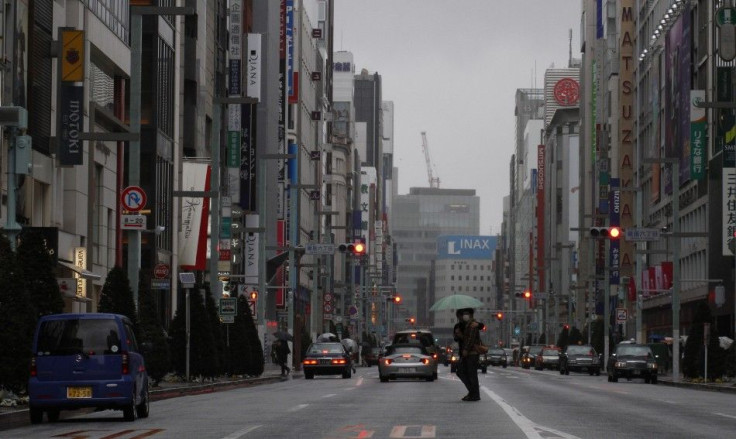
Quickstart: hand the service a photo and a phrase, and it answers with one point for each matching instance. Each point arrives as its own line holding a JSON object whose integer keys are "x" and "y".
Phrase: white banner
{"x": 250, "y": 242}
{"x": 194, "y": 178}
{"x": 729, "y": 208}
{"x": 253, "y": 67}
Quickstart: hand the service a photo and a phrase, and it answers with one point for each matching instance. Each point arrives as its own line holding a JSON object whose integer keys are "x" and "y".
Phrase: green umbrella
{"x": 456, "y": 301}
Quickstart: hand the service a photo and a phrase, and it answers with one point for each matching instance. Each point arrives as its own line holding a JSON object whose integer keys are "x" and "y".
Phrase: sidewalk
{"x": 13, "y": 417}
{"x": 729, "y": 386}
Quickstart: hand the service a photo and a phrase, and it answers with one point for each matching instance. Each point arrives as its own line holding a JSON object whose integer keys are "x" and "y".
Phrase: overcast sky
{"x": 452, "y": 68}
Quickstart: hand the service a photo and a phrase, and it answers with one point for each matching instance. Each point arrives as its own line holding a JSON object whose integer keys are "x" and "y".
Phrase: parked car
{"x": 547, "y": 358}
{"x": 497, "y": 357}
{"x": 327, "y": 358}
{"x": 483, "y": 363}
{"x": 407, "y": 360}
{"x": 86, "y": 360}
{"x": 632, "y": 360}
{"x": 579, "y": 358}
{"x": 528, "y": 354}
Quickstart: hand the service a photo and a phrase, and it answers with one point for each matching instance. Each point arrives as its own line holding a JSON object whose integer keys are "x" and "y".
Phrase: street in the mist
{"x": 515, "y": 403}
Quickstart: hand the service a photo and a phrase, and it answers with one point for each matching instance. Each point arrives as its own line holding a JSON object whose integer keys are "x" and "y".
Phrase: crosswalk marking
{"x": 241, "y": 433}
{"x": 425, "y": 431}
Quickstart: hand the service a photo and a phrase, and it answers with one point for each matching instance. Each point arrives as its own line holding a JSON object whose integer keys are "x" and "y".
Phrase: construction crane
{"x": 434, "y": 181}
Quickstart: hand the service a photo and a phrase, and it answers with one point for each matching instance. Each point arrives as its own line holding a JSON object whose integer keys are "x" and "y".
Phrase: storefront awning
{"x": 81, "y": 271}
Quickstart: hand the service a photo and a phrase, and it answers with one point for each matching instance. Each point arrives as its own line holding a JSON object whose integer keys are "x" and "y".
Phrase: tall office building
{"x": 418, "y": 219}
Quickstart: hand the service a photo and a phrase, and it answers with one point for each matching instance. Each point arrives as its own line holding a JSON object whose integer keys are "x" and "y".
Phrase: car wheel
{"x": 52, "y": 415}
{"x": 36, "y": 415}
{"x": 614, "y": 379}
{"x": 654, "y": 379}
{"x": 129, "y": 410}
{"x": 347, "y": 374}
{"x": 434, "y": 376}
{"x": 383, "y": 379}
{"x": 144, "y": 408}
{"x": 597, "y": 372}
{"x": 308, "y": 375}
{"x": 646, "y": 380}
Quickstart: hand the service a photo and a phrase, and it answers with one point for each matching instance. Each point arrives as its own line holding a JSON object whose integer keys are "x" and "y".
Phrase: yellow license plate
{"x": 79, "y": 392}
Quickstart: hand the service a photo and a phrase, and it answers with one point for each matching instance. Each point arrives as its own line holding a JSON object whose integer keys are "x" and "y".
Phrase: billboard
{"x": 466, "y": 247}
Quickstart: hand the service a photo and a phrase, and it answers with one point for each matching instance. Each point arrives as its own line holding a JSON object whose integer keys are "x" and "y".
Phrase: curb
{"x": 20, "y": 418}
{"x": 705, "y": 387}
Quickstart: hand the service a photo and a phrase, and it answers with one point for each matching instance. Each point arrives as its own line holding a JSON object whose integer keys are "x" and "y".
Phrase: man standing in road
{"x": 457, "y": 334}
{"x": 469, "y": 354}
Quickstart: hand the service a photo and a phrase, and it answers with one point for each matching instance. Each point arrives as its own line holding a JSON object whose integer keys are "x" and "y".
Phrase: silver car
{"x": 407, "y": 361}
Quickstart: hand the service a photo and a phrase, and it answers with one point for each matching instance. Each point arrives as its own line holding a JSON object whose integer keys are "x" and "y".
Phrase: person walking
{"x": 282, "y": 355}
{"x": 457, "y": 335}
{"x": 469, "y": 354}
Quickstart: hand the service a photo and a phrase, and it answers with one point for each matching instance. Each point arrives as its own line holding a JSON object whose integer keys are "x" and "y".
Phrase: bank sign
{"x": 466, "y": 247}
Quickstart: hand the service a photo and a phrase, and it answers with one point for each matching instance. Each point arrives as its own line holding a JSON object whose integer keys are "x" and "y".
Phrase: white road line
{"x": 329, "y": 395}
{"x": 241, "y": 433}
{"x": 725, "y": 415}
{"x": 297, "y": 407}
{"x": 527, "y": 426}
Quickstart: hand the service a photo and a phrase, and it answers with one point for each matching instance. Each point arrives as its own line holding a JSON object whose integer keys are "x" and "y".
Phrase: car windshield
{"x": 637, "y": 351}
{"x": 424, "y": 338}
{"x": 580, "y": 350}
{"x": 331, "y": 348}
{"x": 496, "y": 352}
{"x": 550, "y": 352}
{"x": 74, "y": 336}
{"x": 405, "y": 350}
{"x": 534, "y": 350}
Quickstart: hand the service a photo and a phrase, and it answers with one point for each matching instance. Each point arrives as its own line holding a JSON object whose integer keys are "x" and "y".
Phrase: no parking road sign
{"x": 133, "y": 199}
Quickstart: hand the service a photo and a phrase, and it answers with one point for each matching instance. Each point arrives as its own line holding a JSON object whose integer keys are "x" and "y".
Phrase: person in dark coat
{"x": 469, "y": 354}
{"x": 282, "y": 355}
{"x": 457, "y": 335}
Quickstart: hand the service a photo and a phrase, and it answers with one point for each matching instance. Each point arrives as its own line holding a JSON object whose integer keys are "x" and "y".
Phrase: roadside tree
{"x": 37, "y": 266}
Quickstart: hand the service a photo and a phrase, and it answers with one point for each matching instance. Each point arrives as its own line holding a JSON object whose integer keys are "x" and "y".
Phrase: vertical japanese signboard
{"x": 729, "y": 211}
{"x": 697, "y": 135}
{"x": 71, "y": 95}
{"x": 541, "y": 178}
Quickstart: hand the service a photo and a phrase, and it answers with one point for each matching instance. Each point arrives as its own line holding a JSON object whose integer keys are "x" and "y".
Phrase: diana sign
{"x": 466, "y": 247}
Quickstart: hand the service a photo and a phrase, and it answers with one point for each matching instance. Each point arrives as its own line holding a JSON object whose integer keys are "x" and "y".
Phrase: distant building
{"x": 418, "y": 219}
{"x": 465, "y": 266}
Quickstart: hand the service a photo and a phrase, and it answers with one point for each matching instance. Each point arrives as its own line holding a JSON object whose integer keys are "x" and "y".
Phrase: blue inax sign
{"x": 466, "y": 247}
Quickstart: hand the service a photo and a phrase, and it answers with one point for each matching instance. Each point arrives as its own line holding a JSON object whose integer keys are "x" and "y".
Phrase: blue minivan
{"x": 86, "y": 360}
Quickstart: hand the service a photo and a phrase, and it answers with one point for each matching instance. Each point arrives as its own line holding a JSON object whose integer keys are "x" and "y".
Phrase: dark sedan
{"x": 579, "y": 358}
{"x": 496, "y": 357}
{"x": 327, "y": 359}
{"x": 371, "y": 356}
{"x": 632, "y": 361}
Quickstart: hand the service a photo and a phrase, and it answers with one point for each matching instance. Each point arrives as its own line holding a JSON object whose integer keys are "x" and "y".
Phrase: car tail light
{"x": 425, "y": 360}
{"x": 125, "y": 363}
{"x": 310, "y": 361}
{"x": 388, "y": 361}
{"x": 340, "y": 361}
{"x": 34, "y": 372}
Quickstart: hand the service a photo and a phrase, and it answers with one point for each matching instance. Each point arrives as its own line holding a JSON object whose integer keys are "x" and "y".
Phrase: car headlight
{"x": 620, "y": 364}
{"x": 652, "y": 365}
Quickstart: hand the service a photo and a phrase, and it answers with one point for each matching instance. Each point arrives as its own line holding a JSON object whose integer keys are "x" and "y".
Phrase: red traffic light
{"x": 499, "y": 316}
{"x": 614, "y": 232}
{"x": 396, "y": 299}
{"x": 527, "y": 294}
{"x": 253, "y": 295}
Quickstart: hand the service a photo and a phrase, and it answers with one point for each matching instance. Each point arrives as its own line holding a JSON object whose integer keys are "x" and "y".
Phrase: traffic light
{"x": 527, "y": 294}
{"x": 253, "y": 295}
{"x": 499, "y": 316}
{"x": 356, "y": 248}
{"x": 612, "y": 232}
{"x": 566, "y": 326}
{"x": 396, "y": 299}
{"x": 411, "y": 320}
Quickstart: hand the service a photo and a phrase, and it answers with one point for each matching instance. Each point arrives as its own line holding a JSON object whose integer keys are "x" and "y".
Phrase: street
{"x": 516, "y": 403}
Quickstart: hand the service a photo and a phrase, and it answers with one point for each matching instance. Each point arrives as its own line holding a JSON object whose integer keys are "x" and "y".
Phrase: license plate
{"x": 637, "y": 372}
{"x": 78, "y": 392}
{"x": 409, "y": 369}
